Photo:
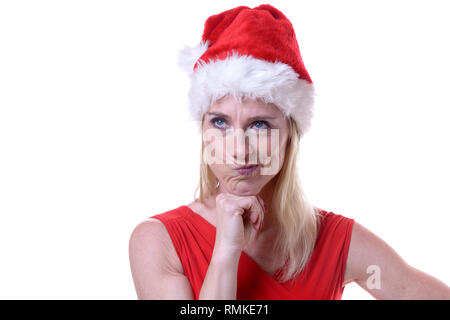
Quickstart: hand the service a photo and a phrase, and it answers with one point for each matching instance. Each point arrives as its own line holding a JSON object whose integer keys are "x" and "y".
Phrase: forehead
{"x": 245, "y": 107}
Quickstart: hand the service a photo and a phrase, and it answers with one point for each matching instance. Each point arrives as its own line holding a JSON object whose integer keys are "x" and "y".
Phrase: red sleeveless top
{"x": 322, "y": 278}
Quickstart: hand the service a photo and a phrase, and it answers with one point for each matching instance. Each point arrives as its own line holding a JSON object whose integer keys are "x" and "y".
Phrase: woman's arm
{"x": 233, "y": 232}
{"x": 221, "y": 278}
{"x": 379, "y": 270}
{"x": 156, "y": 273}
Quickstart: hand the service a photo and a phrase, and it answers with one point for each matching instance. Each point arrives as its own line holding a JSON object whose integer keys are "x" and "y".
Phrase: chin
{"x": 244, "y": 187}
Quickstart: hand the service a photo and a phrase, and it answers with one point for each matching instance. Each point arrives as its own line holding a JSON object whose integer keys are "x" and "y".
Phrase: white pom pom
{"x": 188, "y": 56}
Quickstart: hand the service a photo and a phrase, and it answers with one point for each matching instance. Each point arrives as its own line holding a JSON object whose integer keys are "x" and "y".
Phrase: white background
{"x": 95, "y": 136}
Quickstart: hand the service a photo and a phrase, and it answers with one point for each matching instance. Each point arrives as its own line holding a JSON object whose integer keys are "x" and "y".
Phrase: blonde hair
{"x": 296, "y": 218}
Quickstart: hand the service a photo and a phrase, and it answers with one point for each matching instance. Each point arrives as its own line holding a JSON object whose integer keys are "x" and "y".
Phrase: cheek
{"x": 272, "y": 158}
{"x": 270, "y": 147}
{"x": 218, "y": 170}
{"x": 214, "y": 147}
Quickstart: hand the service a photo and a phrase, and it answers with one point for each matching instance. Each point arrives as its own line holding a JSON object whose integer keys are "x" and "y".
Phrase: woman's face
{"x": 248, "y": 133}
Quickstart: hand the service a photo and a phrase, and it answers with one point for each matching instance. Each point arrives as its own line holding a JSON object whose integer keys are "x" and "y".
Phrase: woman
{"x": 252, "y": 234}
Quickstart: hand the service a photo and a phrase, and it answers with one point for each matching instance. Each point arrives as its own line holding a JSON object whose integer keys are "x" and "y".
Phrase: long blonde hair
{"x": 297, "y": 219}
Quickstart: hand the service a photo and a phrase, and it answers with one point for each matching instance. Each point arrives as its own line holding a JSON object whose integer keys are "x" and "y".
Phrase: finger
{"x": 252, "y": 208}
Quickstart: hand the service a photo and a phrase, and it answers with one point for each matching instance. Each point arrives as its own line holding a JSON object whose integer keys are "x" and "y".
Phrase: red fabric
{"x": 263, "y": 32}
{"x": 193, "y": 238}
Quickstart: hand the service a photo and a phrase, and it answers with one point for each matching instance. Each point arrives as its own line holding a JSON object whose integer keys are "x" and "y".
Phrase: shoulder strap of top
{"x": 333, "y": 242}
{"x": 170, "y": 219}
{"x": 193, "y": 242}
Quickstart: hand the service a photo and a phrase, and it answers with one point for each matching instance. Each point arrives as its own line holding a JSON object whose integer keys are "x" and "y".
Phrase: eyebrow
{"x": 262, "y": 117}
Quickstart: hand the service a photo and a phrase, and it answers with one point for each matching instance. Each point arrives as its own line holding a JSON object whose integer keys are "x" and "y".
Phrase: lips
{"x": 246, "y": 170}
{"x": 247, "y": 167}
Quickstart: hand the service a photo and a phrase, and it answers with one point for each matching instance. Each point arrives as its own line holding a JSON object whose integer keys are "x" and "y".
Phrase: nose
{"x": 241, "y": 146}
{"x": 240, "y": 149}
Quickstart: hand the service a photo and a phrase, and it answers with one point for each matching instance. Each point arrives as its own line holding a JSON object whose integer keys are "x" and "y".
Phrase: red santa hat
{"x": 249, "y": 53}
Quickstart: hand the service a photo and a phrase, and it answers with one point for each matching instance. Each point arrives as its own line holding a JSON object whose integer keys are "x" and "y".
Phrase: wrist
{"x": 226, "y": 255}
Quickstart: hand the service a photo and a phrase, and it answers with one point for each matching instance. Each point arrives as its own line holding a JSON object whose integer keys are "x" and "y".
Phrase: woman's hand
{"x": 238, "y": 220}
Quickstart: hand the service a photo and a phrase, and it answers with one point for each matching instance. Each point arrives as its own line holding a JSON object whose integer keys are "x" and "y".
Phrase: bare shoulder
{"x": 151, "y": 238}
{"x": 155, "y": 266}
{"x": 377, "y": 268}
{"x": 367, "y": 251}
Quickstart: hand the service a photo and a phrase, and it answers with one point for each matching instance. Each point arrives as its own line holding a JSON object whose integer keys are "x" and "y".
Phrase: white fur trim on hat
{"x": 187, "y": 57}
{"x": 246, "y": 76}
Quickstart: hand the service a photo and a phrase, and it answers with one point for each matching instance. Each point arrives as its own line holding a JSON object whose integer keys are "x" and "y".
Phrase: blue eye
{"x": 218, "y": 123}
{"x": 261, "y": 124}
